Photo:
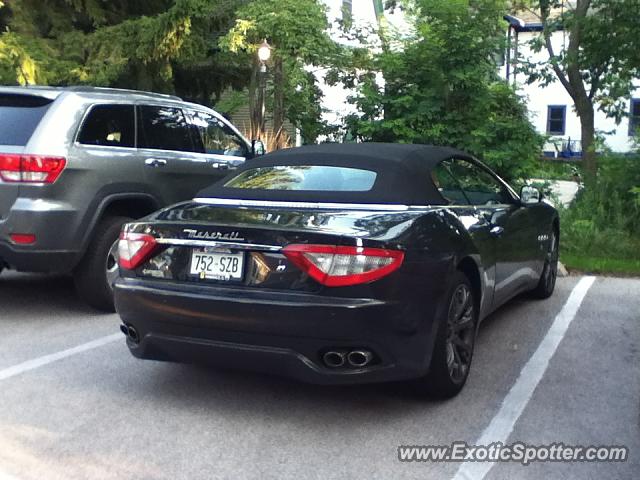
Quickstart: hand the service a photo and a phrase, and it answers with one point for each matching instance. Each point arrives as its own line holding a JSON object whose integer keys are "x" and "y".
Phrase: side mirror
{"x": 530, "y": 195}
{"x": 258, "y": 148}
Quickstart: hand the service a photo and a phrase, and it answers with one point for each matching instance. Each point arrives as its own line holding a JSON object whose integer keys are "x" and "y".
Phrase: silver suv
{"x": 76, "y": 163}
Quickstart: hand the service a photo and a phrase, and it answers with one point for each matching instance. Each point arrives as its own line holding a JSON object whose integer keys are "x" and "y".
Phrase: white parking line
{"x": 54, "y": 357}
{"x": 6, "y": 476}
{"x": 518, "y": 397}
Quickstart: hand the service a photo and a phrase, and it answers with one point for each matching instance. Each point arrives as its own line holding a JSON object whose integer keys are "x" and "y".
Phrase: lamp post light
{"x": 264, "y": 54}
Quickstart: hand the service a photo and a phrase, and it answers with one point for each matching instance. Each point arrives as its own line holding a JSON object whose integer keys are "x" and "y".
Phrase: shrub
{"x": 604, "y": 220}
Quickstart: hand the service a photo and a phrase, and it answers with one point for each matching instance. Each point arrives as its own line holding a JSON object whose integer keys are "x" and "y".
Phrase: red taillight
{"x": 30, "y": 168}
{"x": 337, "y": 266}
{"x": 23, "y": 238}
{"x": 134, "y": 249}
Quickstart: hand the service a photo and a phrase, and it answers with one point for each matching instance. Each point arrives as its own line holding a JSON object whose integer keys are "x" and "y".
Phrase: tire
{"x": 547, "y": 283}
{"x": 451, "y": 359}
{"x": 96, "y": 271}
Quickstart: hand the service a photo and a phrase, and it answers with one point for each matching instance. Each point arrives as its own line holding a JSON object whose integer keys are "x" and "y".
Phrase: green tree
{"x": 599, "y": 63}
{"x": 160, "y": 45}
{"x": 297, "y": 31}
{"x": 441, "y": 86}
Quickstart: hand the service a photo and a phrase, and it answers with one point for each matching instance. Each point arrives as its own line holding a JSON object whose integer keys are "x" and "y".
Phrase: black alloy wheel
{"x": 454, "y": 343}
{"x": 460, "y": 333}
{"x": 547, "y": 283}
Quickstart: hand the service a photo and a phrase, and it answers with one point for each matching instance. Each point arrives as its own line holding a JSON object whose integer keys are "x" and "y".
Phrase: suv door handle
{"x": 155, "y": 162}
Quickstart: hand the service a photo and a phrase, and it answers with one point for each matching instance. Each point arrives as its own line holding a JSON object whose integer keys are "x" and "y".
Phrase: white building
{"x": 551, "y": 107}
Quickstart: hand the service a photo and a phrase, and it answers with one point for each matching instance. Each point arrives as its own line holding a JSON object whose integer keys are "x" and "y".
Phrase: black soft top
{"x": 403, "y": 173}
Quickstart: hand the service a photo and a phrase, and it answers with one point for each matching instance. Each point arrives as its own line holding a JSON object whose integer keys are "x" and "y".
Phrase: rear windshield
{"x": 305, "y": 178}
{"x": 19, "y": 117}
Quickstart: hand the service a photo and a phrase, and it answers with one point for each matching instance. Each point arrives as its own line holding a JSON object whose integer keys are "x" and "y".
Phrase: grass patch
{"x": 614, "y": 266}
{"x": 600, "y": 230}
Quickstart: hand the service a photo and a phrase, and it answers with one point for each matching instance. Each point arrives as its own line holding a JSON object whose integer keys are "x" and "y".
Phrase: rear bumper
{"x": 27, "y": 259}
{"x": 273, "y": 332}
{"x": 54, "y": 225}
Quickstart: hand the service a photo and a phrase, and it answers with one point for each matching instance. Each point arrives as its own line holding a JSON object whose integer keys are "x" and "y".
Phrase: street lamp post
{"x": 264, "y": 54}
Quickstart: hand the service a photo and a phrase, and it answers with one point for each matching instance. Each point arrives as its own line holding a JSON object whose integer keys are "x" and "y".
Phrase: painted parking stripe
{"x": 6, "y": 476}
{"x": 518, "y": 397}
{"x": 54, "y": 357}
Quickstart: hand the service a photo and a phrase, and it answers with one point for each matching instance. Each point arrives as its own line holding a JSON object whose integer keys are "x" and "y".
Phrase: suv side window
{"x": 479, "y": 186}
{"x": 213, "y": 136}
{"x": 164, "y": 128}
{"x": 447, "y": 185}
{"x": 109, "y": 125}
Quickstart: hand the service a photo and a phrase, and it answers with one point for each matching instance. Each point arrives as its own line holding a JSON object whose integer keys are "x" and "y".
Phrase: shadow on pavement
{"x": 38, "y": 294}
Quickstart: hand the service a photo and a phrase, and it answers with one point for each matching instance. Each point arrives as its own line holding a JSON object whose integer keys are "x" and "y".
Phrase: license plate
{"x": 217, "y": 266}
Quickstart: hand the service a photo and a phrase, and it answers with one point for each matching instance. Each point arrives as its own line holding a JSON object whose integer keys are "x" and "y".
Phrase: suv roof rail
{"x": 90, "y": 89}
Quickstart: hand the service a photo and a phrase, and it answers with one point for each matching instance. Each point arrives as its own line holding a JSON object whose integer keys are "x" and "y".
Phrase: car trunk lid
{"x": 259, "y": 235}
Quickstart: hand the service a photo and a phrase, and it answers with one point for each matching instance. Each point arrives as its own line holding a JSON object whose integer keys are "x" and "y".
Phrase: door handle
{"x": 496, "y": 231}
{"x": 220, "y": 166}
{"x": 155, "y": 162}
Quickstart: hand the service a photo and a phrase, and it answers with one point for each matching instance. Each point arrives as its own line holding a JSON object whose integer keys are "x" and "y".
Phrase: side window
{"x": 447, "y": 185}
{"x": 479, "y": 186}
{"x": 109, "y": 125}
{"x": 215, "y": 136}
{"x": 164, "y": 128}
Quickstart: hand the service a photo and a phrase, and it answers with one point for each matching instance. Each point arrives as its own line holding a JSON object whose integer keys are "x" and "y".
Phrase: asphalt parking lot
{"x": 74, "y": 404}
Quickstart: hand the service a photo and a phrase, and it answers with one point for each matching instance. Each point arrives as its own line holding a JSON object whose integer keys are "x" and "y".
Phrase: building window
{"x": 634, "y": 116}
{"x": 556, "y": 118}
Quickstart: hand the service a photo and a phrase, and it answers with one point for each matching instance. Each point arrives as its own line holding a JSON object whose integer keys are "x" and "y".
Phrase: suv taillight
{"x": 338, "y": 266}
{"x": 30, "y": 168}
{"x": 134, "y": 249}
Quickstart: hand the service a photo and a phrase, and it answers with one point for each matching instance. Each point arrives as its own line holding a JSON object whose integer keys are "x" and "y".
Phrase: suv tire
{"x": 90, "y": 276}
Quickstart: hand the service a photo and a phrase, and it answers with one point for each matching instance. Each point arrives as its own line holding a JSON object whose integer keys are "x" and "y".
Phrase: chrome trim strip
{"x": 309, "y": 205}
{"x": 216, "y": 244}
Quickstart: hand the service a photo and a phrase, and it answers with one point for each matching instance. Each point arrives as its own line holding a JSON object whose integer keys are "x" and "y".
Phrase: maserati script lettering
{"x": 201, "y": 235}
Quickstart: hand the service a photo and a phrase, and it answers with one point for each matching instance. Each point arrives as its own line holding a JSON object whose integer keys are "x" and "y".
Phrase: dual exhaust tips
{"x": 354, "y": 358}
{"x": 130, "y": 332}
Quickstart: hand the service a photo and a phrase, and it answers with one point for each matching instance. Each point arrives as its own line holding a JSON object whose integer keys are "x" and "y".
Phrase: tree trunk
{"x": 587, "y": 125}
{"x": 278, "y": 103}
{"x": 573, "y": 81}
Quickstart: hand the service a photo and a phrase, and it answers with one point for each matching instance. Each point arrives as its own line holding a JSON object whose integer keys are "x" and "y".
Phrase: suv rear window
{"x": 19, "y": 116}
{"x": 305, "y": 178}
{"x": 109, "y": 125}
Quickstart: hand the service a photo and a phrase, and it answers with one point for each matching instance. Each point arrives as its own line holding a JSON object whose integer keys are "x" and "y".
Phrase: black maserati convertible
{"x": 337, "y": 264}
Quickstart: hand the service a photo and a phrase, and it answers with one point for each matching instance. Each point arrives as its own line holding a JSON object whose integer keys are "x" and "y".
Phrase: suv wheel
{"x": 98, "y": 269}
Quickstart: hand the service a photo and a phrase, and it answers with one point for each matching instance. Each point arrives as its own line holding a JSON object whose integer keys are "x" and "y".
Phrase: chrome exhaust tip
{"x": 359, "y": 358}
{"x": 333, "y": 359}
